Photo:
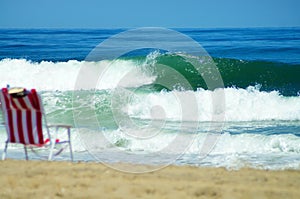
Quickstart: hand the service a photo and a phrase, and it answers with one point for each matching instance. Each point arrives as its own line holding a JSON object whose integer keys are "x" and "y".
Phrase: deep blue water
{"x": 268, "y": 44}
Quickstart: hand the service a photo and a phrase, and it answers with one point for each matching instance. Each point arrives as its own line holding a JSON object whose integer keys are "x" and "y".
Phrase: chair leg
{"x": 71, "y": 152}
{"x": 70, "y": 145}
{"x": 26, "y": 154}
{"x": 5, "y": 151}
{"x": 51, "y": 150}
{"x": 52, "y": 143}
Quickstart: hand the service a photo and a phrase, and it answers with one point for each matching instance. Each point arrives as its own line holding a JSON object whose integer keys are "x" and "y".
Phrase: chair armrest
{"x": 59, "y": 126}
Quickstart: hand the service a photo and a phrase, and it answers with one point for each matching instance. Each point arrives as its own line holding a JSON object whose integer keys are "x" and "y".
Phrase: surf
{"x": 271, "y": 76}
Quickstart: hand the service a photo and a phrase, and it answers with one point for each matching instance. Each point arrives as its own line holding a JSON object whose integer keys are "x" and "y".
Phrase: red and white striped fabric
{"x": 23, "y": 117}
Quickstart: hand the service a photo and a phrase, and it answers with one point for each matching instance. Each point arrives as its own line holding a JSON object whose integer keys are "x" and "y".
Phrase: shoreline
{"x": 42, "y": 179}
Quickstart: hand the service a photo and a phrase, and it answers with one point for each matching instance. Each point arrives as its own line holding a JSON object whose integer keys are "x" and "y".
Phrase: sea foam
{"x": 62, "y": 76}
{"x": 249, "y": 104}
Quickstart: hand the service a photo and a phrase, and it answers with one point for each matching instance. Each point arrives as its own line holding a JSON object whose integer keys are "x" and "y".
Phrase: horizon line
{"x": 82, "y": 28}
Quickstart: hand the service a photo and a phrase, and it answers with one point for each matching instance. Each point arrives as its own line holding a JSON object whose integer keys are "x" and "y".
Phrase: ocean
{"x": 235, "y": 104}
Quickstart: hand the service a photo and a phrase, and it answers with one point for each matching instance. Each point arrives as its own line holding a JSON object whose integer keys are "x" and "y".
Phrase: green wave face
{"x": 269, "y": 76}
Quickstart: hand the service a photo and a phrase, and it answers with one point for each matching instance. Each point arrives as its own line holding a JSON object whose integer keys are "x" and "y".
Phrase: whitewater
{"x": 127, "y": 116}
{"x": 242, "y": 104}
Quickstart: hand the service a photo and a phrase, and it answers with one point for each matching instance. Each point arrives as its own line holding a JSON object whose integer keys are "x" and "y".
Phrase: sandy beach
{"x": 41, "y": 179}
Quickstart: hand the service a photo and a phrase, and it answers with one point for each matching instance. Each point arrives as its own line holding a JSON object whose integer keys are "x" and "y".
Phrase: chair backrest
{"x": 23, "y": 117}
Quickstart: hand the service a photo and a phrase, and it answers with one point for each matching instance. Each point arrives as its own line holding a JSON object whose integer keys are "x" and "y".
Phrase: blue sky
{"x": 142, "y": 13}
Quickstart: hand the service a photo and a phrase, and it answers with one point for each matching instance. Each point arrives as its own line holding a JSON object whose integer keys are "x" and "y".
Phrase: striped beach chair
{"x": 25, "y": 122}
